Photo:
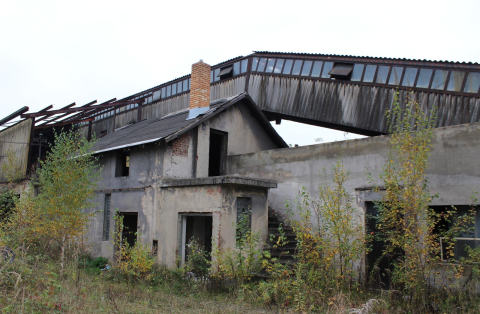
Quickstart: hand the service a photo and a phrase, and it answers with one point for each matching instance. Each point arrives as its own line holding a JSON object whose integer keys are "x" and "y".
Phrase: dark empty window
{"x": 424, "y": 78}
{"x": 409, "y": 77}
{"x": 369, "y": 73}
{"x": 357, "y": 72}
{"x": 382, "y": 74}
{"x": 341, "y": 71}
{"x": 106, "y": 217}
{"x": 123, "y": 164}
{"x": 225, "y": 72}
{"x": 473, "y": 83}
{"x": 217, "y": 153}
{"x": 456, "y": 80}
{"x": 327, "y": 67}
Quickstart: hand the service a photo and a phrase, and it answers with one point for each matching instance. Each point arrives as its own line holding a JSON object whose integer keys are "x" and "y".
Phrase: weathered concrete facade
{"x": 454, "y": 170}
{"x": 169, "y": 182}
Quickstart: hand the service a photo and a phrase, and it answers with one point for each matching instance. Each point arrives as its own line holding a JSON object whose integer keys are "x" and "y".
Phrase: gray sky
{"x": 59, "y": 52}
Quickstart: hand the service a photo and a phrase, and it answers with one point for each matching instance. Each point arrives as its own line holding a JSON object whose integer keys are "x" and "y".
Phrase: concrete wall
{"x": 16, "y": 139}
{"x": 454, "y": 170}
{"x": 218, "y": 200}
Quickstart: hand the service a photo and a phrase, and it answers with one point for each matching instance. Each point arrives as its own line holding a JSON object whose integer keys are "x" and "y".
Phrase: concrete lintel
{"x": 264, "y": 183}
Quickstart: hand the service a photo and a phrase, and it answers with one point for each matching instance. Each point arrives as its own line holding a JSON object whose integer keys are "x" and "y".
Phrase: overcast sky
{"x": 59, "y": 52}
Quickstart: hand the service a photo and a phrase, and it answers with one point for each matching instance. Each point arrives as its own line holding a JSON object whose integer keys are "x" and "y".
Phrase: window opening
{"x": 198, "y": 227}
{"x": 317, "y": 67}
{"x": 106, "y": 217}
{"x": 424, "y": 78}
{"x": 226, "y": 72}
{"x": 254, "y": 64}
{"x": 341, "y": 71}
{"x": 456, "y": 80}
{"x": 395, "y": 76}
{"x": 216, "y": 78}
{"x": 382, "y": 74}
{"x": 236, "y": 68}
{"x": 155, "y": 248}
{"x": 409, "y": 77}
{"x": 288, "y": 67}
{"x": 357, "y": 72}
{"x": 217, "y": 153}
{"x": 470, "y": 237}
{"x": 297, "y": 66}
{"x": 270, "y": 64}
{"x": 327, "y": 67}
{"x": 279, "y": 66}
{"x": 473, "y": 83}
{"x": 439, "y": 79}
{"x": 369, "y": 73}
{"x": 122, "y": 164}
{"x": 262, "y": 64}
{"x": 244, "y": 216}
{"x": 130, "y": 228}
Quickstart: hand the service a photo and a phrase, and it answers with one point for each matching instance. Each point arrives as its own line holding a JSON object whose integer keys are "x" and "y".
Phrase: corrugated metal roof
{"x": 173, "y": 125}
{"x": 363, "y": 57}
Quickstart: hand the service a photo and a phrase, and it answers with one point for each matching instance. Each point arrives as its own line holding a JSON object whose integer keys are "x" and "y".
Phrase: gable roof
{"x": 169, "y": 127}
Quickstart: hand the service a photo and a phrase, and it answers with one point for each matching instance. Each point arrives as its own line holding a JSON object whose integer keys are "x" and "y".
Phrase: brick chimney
{"x": 200, "y": 85}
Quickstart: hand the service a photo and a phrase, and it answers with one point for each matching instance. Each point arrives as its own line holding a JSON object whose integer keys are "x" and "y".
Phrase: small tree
{"x": 67, "y": 179}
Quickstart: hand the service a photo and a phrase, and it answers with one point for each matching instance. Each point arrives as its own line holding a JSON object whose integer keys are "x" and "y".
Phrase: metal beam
{"x": 13, "y": 115}
{"x": 78, "y": 115}
{"x": 71, "y": 110}
{"x": 68, "y": 106}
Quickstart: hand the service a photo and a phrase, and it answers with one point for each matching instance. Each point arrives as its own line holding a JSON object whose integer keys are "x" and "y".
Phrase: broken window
{"x": 106, "y": 217}
{"x": 244, "y": 216}
{"x": 217, "y": 153}
{"x": 123, "y": 164}
{"x": 468, "y": 234}
{"x": 341, "y": 71}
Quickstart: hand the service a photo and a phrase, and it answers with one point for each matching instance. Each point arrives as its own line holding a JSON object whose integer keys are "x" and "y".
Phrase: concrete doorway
{"x": 197, "y": 226}
{"x": 130, "y": 228}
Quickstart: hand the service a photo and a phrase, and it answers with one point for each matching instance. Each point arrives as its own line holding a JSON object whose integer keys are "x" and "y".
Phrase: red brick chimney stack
{"x": 200, "y": 85}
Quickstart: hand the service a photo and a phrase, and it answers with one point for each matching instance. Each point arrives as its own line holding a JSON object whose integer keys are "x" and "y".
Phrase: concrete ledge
{"x": 264, "y": 183}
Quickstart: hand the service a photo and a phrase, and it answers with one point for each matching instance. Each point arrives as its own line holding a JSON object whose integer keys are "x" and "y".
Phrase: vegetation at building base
{"x": 44, "y": 272}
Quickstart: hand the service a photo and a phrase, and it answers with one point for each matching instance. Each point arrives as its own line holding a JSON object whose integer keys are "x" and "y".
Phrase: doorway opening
{"x": 198, "y": 227}
{"x": 379, "y": 266}
{"x": 217, "y": 153}
{"x": 130, "y": 228}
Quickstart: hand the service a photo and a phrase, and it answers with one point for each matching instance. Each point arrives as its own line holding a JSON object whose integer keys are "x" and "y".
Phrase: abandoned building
{"x": 188, "y": 157}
